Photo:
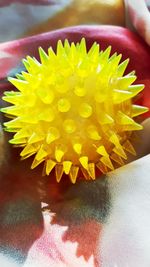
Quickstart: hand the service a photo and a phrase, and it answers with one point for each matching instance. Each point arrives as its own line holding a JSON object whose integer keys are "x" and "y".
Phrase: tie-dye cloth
{"x": 103, "y": 223}
{"x": 140, "y": 17}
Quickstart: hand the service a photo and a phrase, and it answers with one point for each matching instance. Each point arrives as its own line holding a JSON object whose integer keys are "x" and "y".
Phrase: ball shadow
{"x": 21, "y": 221}
{"x": 83, "y": 208}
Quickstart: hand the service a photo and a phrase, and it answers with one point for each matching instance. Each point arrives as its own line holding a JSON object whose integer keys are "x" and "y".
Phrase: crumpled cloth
{"x": 20, "y": 19}
{"x": 105, "y": 223}
{"x": 140, "y": 17}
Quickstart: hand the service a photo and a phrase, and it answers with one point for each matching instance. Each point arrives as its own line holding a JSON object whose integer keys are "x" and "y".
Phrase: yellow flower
{"x": 74, "y": 110}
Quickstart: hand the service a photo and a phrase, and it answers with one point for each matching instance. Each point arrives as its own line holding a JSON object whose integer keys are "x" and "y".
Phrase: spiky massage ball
{"x": 74, "y": 110}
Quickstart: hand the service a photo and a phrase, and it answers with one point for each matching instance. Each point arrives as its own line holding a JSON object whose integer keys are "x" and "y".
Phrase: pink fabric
{"x": 140, "y": 17}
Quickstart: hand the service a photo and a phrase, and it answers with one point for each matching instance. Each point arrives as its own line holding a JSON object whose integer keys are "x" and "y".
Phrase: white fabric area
{"x": 125, "y": 240}
{"x": 17, "y": 18}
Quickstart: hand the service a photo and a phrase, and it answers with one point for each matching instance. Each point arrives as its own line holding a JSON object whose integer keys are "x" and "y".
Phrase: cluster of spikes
{"x": 74, "y": 110}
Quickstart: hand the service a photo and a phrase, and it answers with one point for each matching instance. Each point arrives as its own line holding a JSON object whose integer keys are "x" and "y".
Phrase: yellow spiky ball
{"x": 74, "y": 110}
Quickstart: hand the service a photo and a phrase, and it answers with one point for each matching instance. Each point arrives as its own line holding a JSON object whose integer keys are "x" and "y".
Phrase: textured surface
{"x": 74, "y": 110}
